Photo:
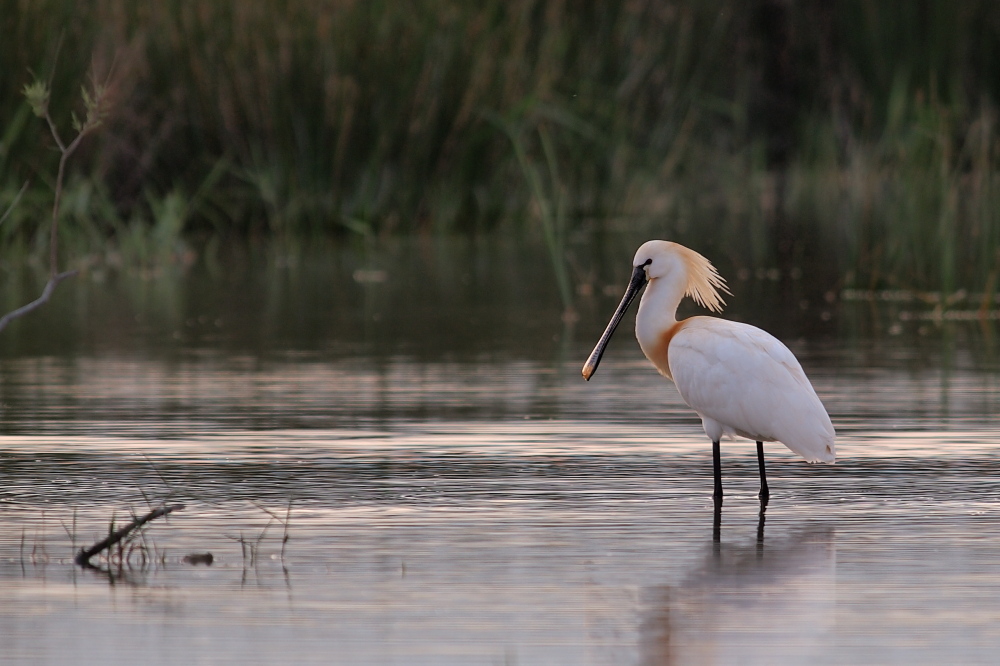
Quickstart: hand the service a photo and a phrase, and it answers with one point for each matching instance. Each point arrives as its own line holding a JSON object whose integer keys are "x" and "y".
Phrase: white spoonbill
{"x": 740, "y": 379}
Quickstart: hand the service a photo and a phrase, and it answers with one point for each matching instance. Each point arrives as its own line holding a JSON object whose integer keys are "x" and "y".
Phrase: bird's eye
{"x": 648, "y": 262}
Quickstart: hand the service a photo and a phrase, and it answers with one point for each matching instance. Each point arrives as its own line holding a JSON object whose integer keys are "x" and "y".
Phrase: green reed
{"x": 294, "y": 117}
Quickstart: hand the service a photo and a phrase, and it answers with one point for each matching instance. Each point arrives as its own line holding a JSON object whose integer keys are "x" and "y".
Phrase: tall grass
{"x": 870, "y": 127}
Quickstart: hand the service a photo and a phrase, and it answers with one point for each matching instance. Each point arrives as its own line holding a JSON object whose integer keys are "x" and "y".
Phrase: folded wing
{"x": 751, "y": 383}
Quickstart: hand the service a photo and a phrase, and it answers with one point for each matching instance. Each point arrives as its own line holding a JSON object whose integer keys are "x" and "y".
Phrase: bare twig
{"x": 70, "y": 532}
{"x": 244, "y": 546}
{"x": 251, "y": 547}
{"x": 38, "y": 553}
{"x": 285, "y": 522}
{"x": 142, "y": 547}
{"x": 37, "y": 95}
{"x": 38, "y": 302}
{"x": 260, "y": 537}
{"x": 83, "y": 557}
{"x": 157, "y": 471}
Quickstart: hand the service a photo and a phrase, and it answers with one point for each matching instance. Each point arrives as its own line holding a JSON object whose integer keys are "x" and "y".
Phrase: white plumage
{"x": 739, "y": 379}
{"x": 743, "y": 381}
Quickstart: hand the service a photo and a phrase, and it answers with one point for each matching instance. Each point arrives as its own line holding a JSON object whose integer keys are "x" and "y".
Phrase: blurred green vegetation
{"x": 845, "y": 137}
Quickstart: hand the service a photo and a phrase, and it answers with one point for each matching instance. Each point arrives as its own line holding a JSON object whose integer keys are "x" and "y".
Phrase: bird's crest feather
{"x": 703, "y": 281}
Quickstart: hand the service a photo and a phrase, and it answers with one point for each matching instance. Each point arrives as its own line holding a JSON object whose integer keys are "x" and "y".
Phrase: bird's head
{"x": 673, "y": 262}
{"x": 659, "y": 259}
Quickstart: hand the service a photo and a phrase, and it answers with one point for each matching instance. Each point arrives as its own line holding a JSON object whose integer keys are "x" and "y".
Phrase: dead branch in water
{"x": 83, "y": 557}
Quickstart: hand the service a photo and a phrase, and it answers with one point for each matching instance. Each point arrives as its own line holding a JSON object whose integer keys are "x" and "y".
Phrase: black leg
{"x": 717, "y": 470}
{"x": 764, "y": 492}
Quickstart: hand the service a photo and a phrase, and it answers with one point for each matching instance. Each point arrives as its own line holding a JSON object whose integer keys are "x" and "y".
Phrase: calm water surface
{"x": 413, "y": 419}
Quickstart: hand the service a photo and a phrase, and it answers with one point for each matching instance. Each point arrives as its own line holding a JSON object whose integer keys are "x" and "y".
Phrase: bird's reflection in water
{"x": 752, "y": 602}
{"x": 717, "y": 524}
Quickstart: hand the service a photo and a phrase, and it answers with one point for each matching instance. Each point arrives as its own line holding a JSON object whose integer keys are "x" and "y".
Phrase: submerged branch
{"x": 83, "y": 557}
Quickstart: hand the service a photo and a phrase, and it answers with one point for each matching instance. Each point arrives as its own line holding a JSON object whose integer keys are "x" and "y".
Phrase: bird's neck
{"x": 657, "y": 314}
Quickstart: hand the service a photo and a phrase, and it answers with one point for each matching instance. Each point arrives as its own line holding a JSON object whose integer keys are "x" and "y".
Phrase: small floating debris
{"x": 199, "y": 558}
